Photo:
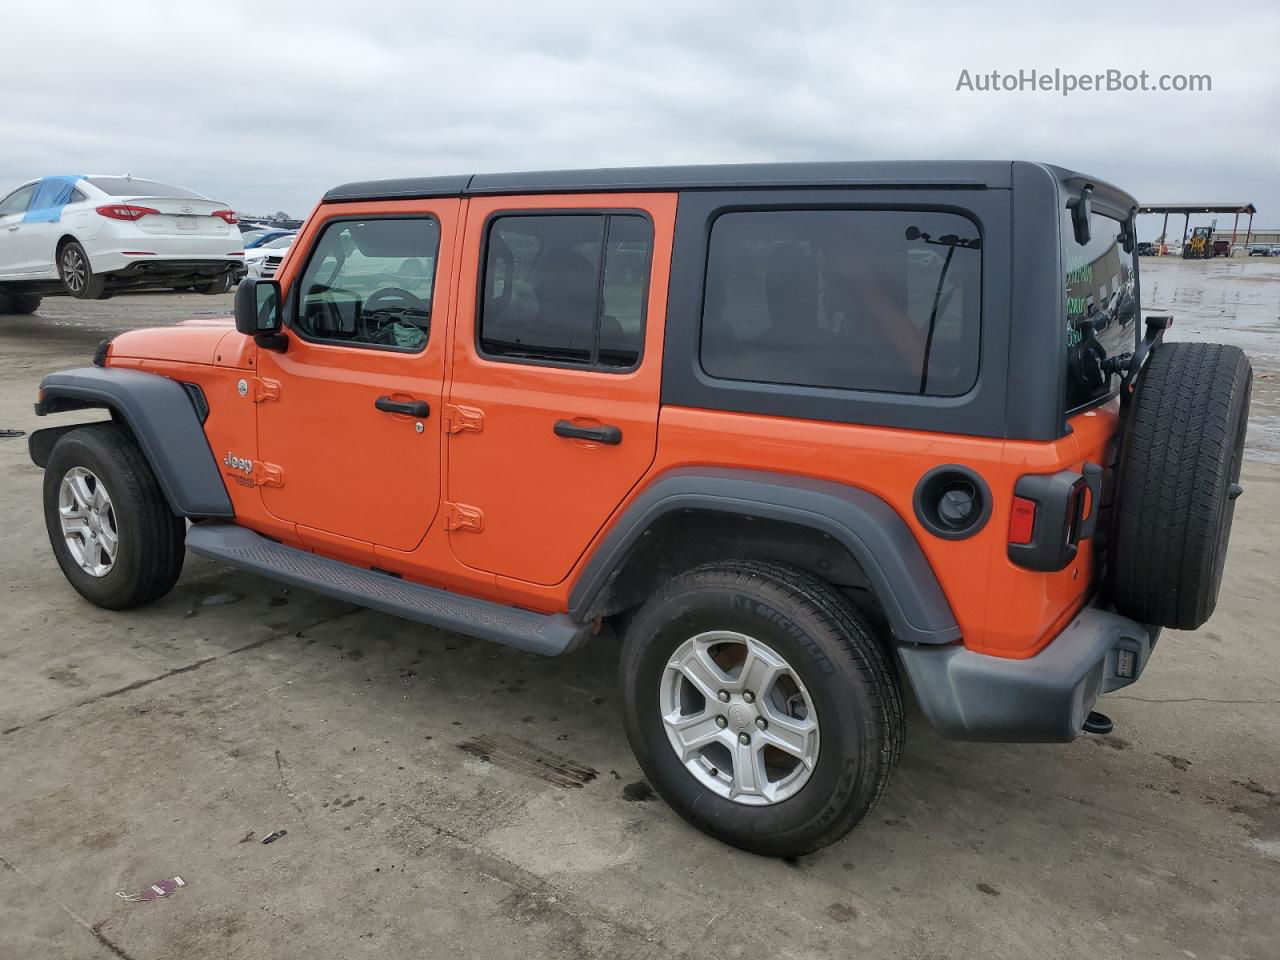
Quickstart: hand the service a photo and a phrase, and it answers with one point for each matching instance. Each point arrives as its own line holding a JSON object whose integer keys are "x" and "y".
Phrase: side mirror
{"x": 258, "y": 307}
{"x": 1081, "y": 208}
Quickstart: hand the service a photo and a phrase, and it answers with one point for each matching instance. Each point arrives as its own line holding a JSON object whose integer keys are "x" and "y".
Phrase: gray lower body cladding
{"x": 1042, "y": 699}
{"x": 548, "y": 634}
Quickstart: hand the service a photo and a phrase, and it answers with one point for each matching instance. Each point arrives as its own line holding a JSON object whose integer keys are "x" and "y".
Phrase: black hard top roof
{"x": 971, "y": 174}
{"x": 962, "y": 174}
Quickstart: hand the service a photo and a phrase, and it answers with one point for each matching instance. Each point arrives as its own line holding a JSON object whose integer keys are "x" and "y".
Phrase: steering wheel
{"x": 374, "y": 302}
{"x": 388, "y": 299}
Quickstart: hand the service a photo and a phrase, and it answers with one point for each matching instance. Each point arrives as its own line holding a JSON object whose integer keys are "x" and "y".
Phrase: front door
{"x": 349, "y": 415}
{"x": 557, "y": 361}
{"x": 13, "y": 258}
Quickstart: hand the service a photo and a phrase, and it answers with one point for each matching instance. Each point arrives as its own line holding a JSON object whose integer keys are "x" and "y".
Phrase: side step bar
{"x": 548, "y": 634}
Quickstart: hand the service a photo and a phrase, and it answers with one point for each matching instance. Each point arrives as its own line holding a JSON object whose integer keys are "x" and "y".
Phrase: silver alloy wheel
{"x": 88, "y": 521}
{"x": 739, "y": 718}
{"x": 75, "y": 271}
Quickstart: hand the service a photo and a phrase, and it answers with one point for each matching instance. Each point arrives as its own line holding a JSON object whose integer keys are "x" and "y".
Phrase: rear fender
{"x": 164, "y": 422}
{"x": 863, "y": 524}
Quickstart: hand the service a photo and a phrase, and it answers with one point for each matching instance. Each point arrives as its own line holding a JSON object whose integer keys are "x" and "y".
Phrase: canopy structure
{"x": 1187, "y": 209}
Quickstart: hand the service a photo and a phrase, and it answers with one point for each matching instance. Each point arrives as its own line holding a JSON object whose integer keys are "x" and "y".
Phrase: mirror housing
{"x": 257, "y": 307}
{"x": 1081, "y": 208}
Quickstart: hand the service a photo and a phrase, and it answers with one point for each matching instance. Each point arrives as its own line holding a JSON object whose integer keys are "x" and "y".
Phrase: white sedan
{"x": 264, "y": 260}
{"x": 89, "y": 236}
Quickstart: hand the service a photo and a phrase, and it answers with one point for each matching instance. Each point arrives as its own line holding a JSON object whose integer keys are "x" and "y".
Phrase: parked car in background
{"x": 1274, "y": 250}
{"x": 1260, "y": 250}
{"x": 91, "y": 236}
{"x": 1147, "y": 249}
{"x": 262, "y": 261}
{"x": 1221, "y": 248}
{"x": 265, "y": 236}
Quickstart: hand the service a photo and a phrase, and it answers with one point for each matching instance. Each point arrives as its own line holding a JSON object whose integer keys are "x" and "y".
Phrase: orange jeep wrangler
{"x": 798, "y": 436}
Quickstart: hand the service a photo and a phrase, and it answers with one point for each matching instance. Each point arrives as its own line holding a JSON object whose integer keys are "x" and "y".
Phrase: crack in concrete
{"x": 176, "y": 671}
{"x": 95, "y": 929}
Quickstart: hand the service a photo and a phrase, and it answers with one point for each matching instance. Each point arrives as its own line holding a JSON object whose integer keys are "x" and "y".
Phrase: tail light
{"x": 1051, "y": 514}
{"x": 1022, "y": 521}
{"x": 124, "y": 211}
{"x": 227, "y": 215}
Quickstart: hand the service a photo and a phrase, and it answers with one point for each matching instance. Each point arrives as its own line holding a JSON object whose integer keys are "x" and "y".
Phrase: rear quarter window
{"x": 1101, "y": 309}
{"x": 883, "y": 300}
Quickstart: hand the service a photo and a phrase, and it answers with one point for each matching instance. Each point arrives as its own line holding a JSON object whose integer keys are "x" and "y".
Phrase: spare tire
{"x": 1177, "y": 481}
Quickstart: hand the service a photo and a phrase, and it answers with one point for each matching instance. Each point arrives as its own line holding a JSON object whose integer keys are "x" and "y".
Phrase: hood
{"x": 192, "y": 341}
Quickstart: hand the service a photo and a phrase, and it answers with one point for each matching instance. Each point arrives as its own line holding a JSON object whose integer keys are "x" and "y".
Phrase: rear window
{"x": 1101, "y": 310}
{"x": 131, "y": 187}
{"x": 885, "y": 300}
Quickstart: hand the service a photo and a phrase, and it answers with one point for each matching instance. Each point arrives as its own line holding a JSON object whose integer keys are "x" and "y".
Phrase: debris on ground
{"x": 274, "y": 836}
{"x": 153, "y": 892}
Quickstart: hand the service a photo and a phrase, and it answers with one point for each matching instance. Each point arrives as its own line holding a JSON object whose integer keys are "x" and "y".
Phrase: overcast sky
{"x": 267, "y": 104}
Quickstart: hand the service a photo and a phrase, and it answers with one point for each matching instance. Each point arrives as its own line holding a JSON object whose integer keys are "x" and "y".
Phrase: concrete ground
{"x": 168, "y": 741}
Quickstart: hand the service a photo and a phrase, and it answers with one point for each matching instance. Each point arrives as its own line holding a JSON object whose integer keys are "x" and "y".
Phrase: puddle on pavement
{"x": 1233, "y": 301}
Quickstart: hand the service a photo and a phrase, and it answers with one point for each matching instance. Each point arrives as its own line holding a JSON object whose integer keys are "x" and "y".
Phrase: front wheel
{"x": 111, "y": 529}
{"x": 19, "y": 303}
{"x": 77, "y": 275}
{"x": 761, "y": 705}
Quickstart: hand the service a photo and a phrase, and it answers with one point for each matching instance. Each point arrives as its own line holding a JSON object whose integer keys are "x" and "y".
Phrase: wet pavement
{"x": 1233, "y": 301}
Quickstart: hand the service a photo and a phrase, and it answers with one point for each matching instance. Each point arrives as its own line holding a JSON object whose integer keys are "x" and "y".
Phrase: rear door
{"x": 557, "y": 356}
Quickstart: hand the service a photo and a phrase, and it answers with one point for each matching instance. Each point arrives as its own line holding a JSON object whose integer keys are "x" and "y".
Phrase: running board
{"x": 548, "y": 634}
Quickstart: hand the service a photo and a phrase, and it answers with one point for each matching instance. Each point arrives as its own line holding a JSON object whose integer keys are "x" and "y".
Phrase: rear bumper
{"x": 160, "y": 270}
{"x": 1043, "y": 699}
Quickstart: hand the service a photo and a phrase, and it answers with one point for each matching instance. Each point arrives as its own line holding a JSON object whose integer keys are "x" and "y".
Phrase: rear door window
{"x": 1101, "y": 311}
{"x": 566, "y": 289}
{"x": 883, "y": 300}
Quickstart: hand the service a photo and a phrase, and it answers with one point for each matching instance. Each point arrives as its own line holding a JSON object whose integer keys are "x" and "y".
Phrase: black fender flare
{"x": 868, "y": 527}
{"x": 164, "y": 422}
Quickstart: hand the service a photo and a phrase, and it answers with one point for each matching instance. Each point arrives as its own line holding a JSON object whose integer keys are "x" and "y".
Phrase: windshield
{"x": 279, "y": 243}
{"x": 1101, "y": 313}
{"x": 130, "y": 187}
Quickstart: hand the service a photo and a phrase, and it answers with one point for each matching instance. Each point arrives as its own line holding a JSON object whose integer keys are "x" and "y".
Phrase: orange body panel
{"x": 544, "y": 497}
{"x": 366, "y": 487}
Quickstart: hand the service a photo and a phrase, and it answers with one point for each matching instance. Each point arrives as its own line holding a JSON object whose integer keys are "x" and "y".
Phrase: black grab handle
{"x": 413, "y": 408}
{"x": 571, "y": 431}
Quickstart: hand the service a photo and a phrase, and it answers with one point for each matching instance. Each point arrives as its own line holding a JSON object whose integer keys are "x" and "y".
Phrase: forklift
{"x": 1200, "y": 246}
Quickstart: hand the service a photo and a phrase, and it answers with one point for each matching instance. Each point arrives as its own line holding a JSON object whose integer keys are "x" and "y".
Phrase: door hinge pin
{"x": 463, "y": 516}
{"x": 268, "y": 475}
{"x": 458, "y": 418}
{"x": 264, "y": 388}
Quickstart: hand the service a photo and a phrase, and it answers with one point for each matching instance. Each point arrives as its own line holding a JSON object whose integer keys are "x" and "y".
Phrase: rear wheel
{"x": 1178, "y": 479}
{"x": 19, "y": 303}
{"x": 111, "y": 529}
{"x": 221, "y": 285}
{"x": 761, "y": 705}
{"x": 77, "y": 275}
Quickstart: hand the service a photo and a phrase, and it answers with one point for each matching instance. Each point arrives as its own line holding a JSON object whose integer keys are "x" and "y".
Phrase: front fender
{"x": 871, "y": 530}
{"x": 163, "y": 420}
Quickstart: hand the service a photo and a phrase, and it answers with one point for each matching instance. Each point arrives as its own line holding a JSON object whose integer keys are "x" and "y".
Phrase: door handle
{"x": 411, "y": 408}
{"x": 605, "y": 434}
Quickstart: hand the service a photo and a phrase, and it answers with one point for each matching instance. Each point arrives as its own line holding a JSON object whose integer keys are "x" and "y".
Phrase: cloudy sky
{"x": 266, "y": 104}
